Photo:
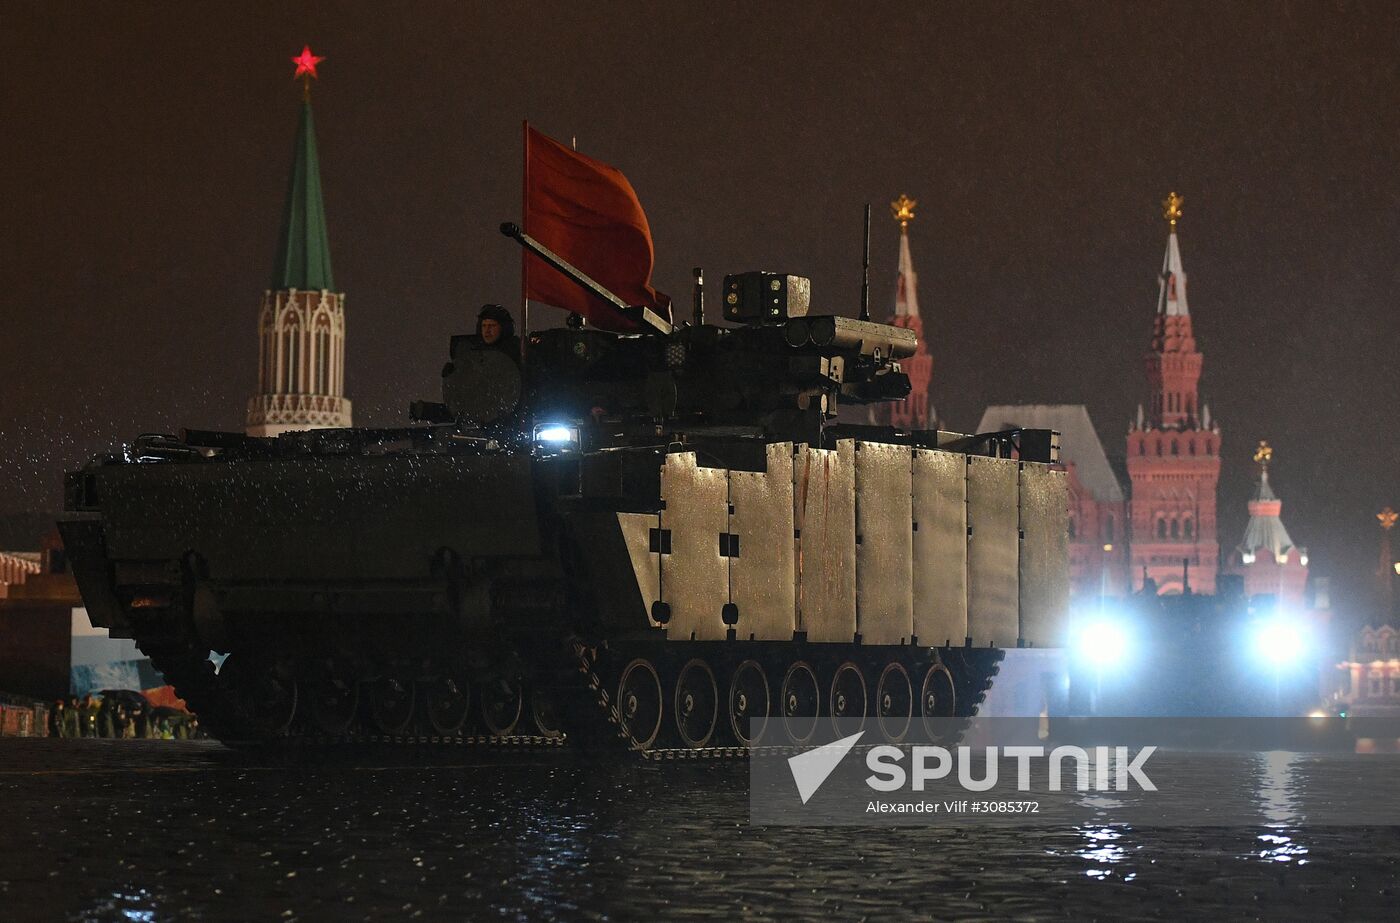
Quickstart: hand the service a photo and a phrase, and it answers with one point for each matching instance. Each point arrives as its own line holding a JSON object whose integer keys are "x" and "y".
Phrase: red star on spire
{"x": 306, "y": 62}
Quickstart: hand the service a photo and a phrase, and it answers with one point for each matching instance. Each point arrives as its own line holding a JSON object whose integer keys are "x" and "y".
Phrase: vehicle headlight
{"x": 557, "y": 437}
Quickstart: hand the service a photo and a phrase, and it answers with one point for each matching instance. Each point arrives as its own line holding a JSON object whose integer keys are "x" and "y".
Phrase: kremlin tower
{"x": 913, "y": 412}
{"x": 301, "y": 324}
{"x": 1267, "y": 558}
{"x": 1174, "y": 448}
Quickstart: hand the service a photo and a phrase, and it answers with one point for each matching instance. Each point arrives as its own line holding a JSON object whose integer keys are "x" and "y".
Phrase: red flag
{"x": 586, "y": 212}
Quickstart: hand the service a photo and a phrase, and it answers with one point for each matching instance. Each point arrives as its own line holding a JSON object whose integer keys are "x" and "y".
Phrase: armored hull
{"x": 655, "y": 594}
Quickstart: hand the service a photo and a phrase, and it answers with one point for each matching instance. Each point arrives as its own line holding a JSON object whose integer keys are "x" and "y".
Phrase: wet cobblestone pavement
{"x": 152, "y": 831}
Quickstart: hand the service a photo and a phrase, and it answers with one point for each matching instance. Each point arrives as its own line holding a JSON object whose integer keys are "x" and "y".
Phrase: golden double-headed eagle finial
{"x": 1387, "y": 517}
{"x": 1264, "y": 454}
{"x": 903, "y": 209}
{"x": 1171, "y": 208}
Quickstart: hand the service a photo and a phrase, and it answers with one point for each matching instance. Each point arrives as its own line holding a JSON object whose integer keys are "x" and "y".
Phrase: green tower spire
{"x": 304, "y": 252}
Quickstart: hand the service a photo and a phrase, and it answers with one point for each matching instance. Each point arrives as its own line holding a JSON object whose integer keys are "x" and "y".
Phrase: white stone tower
{"x": 301, "y": 324}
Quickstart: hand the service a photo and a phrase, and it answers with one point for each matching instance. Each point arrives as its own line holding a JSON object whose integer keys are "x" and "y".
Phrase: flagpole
{"x": 524, "y": 256}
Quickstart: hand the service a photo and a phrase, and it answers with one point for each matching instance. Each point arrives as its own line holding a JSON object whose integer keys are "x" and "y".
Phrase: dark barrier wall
{"x": 35, "y": 638}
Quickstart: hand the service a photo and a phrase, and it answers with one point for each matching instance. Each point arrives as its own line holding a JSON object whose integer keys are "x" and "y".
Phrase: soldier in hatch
{"x": 496, "y": 328}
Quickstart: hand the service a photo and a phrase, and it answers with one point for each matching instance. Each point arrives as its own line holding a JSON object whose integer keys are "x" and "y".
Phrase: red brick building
{"x": 1173, "y": 449}
{"x": 914, "y": 412}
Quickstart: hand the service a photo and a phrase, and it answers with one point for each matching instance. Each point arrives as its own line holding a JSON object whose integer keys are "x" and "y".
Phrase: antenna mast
{"x": 865, "y": 269}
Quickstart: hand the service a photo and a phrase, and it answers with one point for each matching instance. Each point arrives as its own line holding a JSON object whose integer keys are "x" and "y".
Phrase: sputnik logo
{"x": 811, "y": 769}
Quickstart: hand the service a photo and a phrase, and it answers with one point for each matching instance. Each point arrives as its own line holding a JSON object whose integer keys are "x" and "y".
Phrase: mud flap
{"x": 86, "y": 546}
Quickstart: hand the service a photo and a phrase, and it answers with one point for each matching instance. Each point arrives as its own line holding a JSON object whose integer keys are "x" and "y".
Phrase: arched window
{"x": 1108, "y": 529}
{"x": 1188, "y": 528}
{"x": 1161, "y": 528}
{"x": 323, "y": 354}
{"x": 1191, "y": 446}
{"x": 1142, "y": 447}
{"x": 1159, "y": 448}
{"x": 291, "y": 354}
{"x": 1175, "y": 529}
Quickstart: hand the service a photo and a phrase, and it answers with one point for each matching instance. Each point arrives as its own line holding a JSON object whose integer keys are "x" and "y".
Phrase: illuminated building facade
{"x": 1266, "y": 558}
{"x": 1173, "y": 448}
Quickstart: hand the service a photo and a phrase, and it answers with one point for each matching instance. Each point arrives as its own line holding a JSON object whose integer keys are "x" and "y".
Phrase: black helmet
{"x": 498, "y": 314}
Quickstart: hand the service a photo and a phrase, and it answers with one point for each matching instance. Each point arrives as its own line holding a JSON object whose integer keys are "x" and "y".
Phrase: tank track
{"x": 579, "y": 677}
{"x": 971, "y": 687}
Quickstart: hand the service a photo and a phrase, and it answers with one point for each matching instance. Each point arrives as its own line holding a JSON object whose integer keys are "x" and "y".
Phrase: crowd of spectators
{"x": 120, "y": 714}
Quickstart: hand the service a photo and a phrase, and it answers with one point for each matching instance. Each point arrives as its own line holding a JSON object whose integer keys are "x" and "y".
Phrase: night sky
{"x": 146, "y": 146}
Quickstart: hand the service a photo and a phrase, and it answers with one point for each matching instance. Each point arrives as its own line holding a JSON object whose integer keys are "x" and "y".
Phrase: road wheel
{"x": 801, "y": 699}
{"x": 639, "y": 703}
{"x": 445, "y": 704}
{"x": 894, "y": 702}
{"x": 937, "y": 701}
{"x": 696, "y": 704}
{"x": 848, "y": 699}
{"x": 501, "y": 704}
{"x": 749, "y": 703}
{"x": 391, "y": 702}
{"x": 333, "y": 703}
{"x": 544, "y": 714}
{"x": 265, "y": 698}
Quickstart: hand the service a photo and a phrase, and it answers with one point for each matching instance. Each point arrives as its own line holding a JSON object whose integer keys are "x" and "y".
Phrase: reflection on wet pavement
{"x": 135, "y": 830}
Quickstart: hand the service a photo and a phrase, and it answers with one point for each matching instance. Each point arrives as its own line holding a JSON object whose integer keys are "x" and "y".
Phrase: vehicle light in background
{"x": 1279, "y": 642}
{"x": 1102, "y": 642}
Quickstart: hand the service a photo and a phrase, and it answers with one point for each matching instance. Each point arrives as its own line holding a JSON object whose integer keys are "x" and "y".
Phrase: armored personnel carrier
{"x": 652, "y": 542}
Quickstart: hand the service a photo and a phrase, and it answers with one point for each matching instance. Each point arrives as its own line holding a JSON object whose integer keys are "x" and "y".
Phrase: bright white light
{"x": 1280, "y": 643}
{"x": 1102, "y": 643}
{"x": 556, "y": 434}
{"x": 1247, "y": 557}
{"x": 1317, "y": 713}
